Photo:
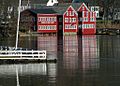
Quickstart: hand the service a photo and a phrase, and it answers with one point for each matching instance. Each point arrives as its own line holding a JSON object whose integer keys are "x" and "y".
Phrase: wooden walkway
{"x": 20, "y": 54}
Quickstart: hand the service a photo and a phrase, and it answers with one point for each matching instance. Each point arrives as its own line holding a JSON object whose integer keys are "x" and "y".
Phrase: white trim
{"x": 63, "y": 23}
{"x": 83, "y": 4}
{"x": 72, "y": 9}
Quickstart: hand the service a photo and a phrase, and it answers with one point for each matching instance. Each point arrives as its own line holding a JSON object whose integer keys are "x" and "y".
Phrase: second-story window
{"x": 66, "y": 19}
{"x": 72, "y": 13}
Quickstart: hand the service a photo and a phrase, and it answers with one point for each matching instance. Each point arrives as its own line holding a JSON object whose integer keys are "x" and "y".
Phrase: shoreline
{"x": 99, "y": 31}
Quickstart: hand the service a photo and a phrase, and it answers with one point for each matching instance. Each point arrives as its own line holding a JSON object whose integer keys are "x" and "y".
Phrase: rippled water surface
{"x": 87, "y": 60}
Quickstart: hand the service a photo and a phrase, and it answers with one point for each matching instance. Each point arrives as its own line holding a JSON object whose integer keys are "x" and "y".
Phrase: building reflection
{"x": 80, "y": 52}
{"x": 48, "y": 43}
{"x": 90, "y": 52}
{"x": 90, "y": 60}
{"x": 70, "y": 52}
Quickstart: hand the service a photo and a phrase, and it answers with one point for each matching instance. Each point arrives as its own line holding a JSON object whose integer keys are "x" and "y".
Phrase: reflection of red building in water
{"x": 90, "y": 55}
{"x": 70, "y": 49}
{"x": 48, "y": 43}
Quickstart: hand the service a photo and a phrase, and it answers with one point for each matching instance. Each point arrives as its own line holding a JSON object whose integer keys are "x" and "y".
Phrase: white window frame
{"x": 83, "y": 14}
{"x": 83, "y": 8}
{"x": 70, "y": 19}
{"x": 66, "y": 19}
{"x": 66, "y": 13}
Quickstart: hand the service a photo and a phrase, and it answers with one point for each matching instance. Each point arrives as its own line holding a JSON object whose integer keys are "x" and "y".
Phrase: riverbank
{"x": 99, "y": 31}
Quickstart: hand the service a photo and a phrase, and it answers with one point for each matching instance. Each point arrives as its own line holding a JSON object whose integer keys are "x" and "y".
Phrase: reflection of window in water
{"x": 90, "y": 58}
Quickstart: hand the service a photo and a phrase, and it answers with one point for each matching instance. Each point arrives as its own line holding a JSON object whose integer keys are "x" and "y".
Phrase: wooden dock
{"x": 23, "y": 54}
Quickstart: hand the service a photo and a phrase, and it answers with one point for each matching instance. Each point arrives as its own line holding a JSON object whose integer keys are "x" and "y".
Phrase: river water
{"x": 87, "y": 60}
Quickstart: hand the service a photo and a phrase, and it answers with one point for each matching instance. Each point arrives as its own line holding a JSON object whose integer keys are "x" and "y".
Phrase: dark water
{"x": 82, "y": 61}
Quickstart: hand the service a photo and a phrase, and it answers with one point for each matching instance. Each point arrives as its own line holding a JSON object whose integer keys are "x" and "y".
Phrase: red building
{"x": 59, "y": 20}
{"x": 47, "y": 23}
{"x": 87, "y": 20}
{"x": 70, "y": 20}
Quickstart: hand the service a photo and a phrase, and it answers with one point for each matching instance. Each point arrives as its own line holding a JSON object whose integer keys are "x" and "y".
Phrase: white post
{"x": 18, "y": 23}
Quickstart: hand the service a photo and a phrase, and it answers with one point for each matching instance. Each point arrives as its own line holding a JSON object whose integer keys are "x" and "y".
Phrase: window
{"x": 39, "y": 19}
{"x": 52, "y": 19}
{"x": 66, "y": 27}
{"x": 80, "y": 19}
{"x": 60, "y": 20}
{"x": 48, "y": 27}
{"x": 86, "y": 19}
{"x": 73, "y": 19}
{"x": 72, "y": 13}
{"x": 92, "y": 19}
{"x": 39, "y": 27}
{"x": 97, "y": 14}
{"x": 96, "y": 8}
{"x": 92, "y": 8}
{"x": 66, "y": 19}
{"x": 83, "y": 14}
{"x": 88, "y": 26}
{"x": 83, "y": 8}
{"x": 42, "y": 27}
{"x": 75, "y": 26}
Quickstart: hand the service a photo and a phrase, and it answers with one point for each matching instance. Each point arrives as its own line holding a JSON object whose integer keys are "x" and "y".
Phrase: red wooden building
{"x": 47, "y": 23}
{"x": 87, "y": 20}
{"x": 49, "y": 19}
{"x": 70, "y": 20}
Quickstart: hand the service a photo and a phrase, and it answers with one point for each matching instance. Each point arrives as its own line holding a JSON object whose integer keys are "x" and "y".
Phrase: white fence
{"x": 23, "y": 54}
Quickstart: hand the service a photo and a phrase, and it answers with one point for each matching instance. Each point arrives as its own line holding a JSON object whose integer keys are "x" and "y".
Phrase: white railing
{"x": 28, "y": 54}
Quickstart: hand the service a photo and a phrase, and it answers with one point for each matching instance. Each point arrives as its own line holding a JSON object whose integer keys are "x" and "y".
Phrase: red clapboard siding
{"x": 47, "y": 23}
{"x": 70, "y": 20}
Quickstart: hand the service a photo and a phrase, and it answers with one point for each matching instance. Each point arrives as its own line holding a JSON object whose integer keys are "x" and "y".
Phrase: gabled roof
{"x": 72, "y": 9}
{"x": 83, "y": 4}
{"x": 59, "y": 9}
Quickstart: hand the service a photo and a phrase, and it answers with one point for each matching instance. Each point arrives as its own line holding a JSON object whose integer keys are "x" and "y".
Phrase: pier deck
{"x": 28, "y": 54}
